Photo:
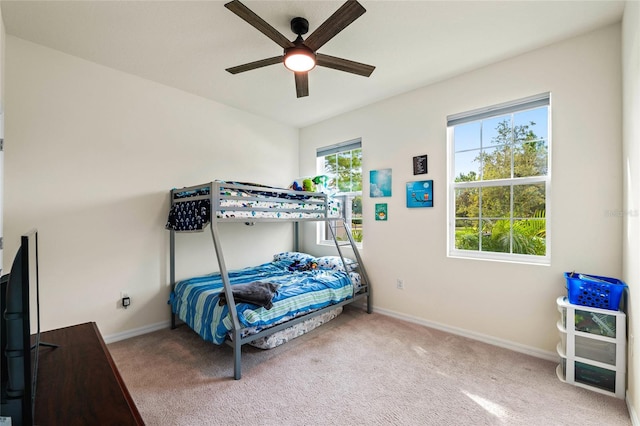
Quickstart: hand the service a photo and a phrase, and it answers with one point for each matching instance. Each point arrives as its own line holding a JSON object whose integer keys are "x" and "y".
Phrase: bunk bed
{"x": 262, "y": 305}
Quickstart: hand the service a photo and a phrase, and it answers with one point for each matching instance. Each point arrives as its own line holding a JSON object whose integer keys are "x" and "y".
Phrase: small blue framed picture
{"x": 420, "y": 193}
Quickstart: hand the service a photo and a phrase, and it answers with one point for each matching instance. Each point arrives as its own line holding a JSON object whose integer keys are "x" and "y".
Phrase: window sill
{"x": 500, "y": 257}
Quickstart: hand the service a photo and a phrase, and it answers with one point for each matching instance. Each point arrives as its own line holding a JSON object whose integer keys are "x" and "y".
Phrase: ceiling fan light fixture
{"x": 300, "y": 55}
{"x": 299, "y": 59}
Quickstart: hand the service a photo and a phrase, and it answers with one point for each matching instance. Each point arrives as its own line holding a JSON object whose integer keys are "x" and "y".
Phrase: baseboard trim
{"x": 632, "y": 411}
{"x": 550, "y": 356}
{"x": 112, "y": 338}
{"x": 517, "y": 347}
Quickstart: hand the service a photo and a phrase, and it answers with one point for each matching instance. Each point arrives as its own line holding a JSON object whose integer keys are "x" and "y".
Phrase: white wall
{"x": 631, "y": 182}
{"x": 91, "y": 154}
{"x": 2, "y": 49}
{"x": 505, "y": 302}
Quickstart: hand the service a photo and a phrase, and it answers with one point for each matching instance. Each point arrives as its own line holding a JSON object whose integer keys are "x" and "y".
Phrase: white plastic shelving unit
{"x": 592, "y": 348}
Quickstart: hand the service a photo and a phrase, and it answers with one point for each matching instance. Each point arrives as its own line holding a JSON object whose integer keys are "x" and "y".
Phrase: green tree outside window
{"x": 500, "y": 191}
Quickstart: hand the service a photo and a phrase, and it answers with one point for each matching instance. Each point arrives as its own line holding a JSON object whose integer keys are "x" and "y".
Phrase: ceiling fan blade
{"x": 302, "y": 84}
{"x": 258, "y": 23}
{"x": 345, "y": 15}
{"x": 344, "y": 65}
{"x": 257, "y": 64}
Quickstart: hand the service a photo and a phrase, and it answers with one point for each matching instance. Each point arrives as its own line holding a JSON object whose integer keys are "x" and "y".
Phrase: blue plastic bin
{"x": 594, "y": 291}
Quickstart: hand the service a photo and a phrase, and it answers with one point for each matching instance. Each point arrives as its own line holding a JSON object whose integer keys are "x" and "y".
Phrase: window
{"x": 499, "y": 181}
{"x": 342, "y": 164}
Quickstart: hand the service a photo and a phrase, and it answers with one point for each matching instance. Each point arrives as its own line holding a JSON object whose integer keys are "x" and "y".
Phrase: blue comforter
{"x": 195, "y": 300}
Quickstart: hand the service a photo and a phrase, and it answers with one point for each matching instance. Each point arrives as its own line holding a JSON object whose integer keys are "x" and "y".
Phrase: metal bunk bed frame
{"x": 216, "y": 198}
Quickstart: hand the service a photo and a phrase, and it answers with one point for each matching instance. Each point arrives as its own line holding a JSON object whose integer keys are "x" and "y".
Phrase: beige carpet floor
{"x": 359, "y": 369}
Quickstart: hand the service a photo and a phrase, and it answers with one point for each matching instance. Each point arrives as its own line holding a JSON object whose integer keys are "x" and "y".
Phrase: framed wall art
{"x": 381, "y": 211}
{"x": 380, "y": 183}
{"x": 420, "y": 165}
{"x": 420, "y": 193}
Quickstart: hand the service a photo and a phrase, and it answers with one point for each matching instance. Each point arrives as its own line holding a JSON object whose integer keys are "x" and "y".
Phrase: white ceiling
{"x": 188, "y": 44}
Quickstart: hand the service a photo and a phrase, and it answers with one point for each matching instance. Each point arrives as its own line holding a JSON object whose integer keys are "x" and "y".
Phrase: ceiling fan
{"x": 300, "y": 56}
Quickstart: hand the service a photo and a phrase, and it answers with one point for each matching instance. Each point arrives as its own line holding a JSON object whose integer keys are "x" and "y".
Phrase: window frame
{"x": 321, "y": 231}
{"x": 513, "y": 107}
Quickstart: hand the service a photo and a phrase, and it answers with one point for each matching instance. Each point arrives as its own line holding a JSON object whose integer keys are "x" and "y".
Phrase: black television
{"x": 21, "y": 333}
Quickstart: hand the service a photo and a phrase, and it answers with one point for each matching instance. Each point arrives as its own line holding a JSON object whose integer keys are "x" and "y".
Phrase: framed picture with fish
{"x": 420, "y": 193}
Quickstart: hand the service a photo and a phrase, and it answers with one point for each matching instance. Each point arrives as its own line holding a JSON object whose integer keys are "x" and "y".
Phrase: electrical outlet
{"x": 400, "y": 284}
{"x": 125, "y": 300}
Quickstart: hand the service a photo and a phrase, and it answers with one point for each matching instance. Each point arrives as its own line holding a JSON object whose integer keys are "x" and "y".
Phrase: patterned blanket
{"x": 196, "y": 300}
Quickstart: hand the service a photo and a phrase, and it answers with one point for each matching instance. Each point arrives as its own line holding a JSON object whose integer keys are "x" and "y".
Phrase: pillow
{"x": 292, "y": 256}
{"x": 356, "y": 280}
{"x": 334, "y": 262}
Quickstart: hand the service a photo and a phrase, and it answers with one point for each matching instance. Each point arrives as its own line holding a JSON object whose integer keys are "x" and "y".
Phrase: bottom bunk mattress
{"x": 283, "y": 336}
{"x": 298, "y": 291}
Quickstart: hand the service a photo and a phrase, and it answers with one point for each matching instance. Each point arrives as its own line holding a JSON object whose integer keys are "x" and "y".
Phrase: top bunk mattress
{"x": 191, "y": 207}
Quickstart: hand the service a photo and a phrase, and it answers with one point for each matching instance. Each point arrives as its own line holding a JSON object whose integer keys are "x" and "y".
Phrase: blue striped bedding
{"x": 195, "y": 300}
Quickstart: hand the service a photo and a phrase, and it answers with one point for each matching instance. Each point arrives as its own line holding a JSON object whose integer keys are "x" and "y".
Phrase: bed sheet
{"x": 195, "y": 300}
{"x": 299, "y": 204}
{"x": 194, "y": 215}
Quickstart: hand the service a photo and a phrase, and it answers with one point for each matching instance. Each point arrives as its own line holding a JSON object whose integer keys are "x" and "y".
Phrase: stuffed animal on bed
{"x": 302, "y": 266}
{"x": 321, "y": 181}
{"x": 308, "y": 185}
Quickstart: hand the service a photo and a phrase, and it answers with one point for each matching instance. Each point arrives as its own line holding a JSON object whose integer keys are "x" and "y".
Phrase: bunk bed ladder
{"x": 341, "y": 224}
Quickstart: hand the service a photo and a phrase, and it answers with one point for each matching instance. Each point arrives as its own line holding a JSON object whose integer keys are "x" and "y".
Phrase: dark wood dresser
{"x": 78, "y": 382}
